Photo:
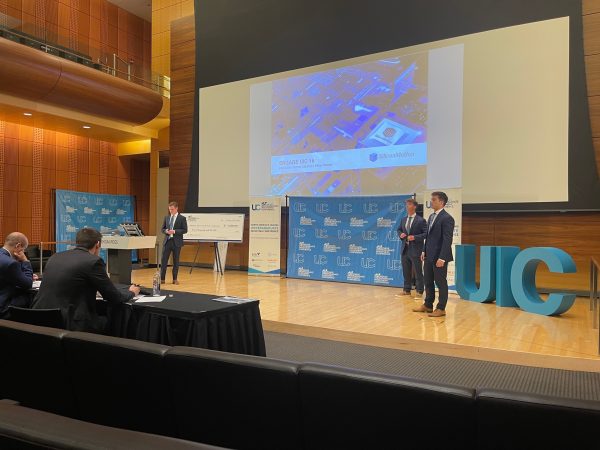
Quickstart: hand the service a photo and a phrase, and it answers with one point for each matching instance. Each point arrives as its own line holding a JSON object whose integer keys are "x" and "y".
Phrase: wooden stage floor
{"x": 374, "y": 315}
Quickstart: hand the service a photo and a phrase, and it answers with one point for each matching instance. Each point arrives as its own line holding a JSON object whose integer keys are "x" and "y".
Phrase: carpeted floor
{"x": 458, "y": 371}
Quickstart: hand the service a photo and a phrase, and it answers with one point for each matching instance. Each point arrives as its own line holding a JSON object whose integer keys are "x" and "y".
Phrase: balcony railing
{"x": 109, "y": 63}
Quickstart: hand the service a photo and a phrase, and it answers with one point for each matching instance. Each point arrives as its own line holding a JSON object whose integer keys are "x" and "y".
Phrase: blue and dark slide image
{"x": 377, "y": 108}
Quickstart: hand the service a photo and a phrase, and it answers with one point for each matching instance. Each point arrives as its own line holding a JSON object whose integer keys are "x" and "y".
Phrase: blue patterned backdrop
{"x": 349, "y": 239}
{"x": 104, "y": 212}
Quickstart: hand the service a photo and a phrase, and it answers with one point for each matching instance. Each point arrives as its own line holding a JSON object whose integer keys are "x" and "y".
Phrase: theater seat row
{"x": 26, "y": 429}
{"x": 245, "y": 402}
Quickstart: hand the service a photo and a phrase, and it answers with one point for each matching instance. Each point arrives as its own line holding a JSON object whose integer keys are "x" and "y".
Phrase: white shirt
{"x": 174, "y": 216}
{"x": 411, "y": 222}
{"x": 437, "y": 213}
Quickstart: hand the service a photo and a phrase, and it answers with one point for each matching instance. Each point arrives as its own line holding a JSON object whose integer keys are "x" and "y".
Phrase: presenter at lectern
{"x": 174, "y": 227}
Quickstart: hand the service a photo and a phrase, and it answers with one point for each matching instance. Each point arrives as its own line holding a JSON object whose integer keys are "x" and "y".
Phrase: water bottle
{"x": 156, "y": 284}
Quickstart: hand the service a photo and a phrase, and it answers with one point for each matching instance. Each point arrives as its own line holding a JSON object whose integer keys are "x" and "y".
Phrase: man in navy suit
{"x": 412, "y": 232}
{"x": 437, "y": 253}
{"x": 16, "y": 274}
{"x": 174, "y": 227}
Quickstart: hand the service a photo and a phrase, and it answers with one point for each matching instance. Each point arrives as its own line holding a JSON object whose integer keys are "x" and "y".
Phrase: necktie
{"x": 431, "y": 219}
{"x": 408, "y": 224}
{"x": 171, "y": 220}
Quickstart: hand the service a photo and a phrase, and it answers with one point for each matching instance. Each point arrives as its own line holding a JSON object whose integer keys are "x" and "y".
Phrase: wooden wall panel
{"x": 88, "y": 26}
{"x": 135, "y": 174}
{"x": 186, "y": 77}
{"x": 592, "y": 68}
{"x": 34, "y": 161}
{"x": 591, "y": 34}
{"x": 590, "y": 6}
{"x": 182, "y": 31}
{"x": 479, "y": 230}
{"x": 597, "y": 150}
{"x": 178, "y": 190}
{"x": 182, "y": 106}
{"x": 182, "y": 55}
{"x": 591, "y": 40}
{"x": 594, "y": 107}
{"x": 9, "y": 184}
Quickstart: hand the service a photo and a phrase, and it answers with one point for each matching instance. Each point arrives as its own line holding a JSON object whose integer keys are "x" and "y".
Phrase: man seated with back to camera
{"x": 71, "y": 280}
{"x": 16, "y": 274}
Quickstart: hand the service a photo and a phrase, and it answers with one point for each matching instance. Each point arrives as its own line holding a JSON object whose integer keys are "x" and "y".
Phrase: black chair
{"x": 33, "y": 255}
{"x": 41, "y": 317}
{"x": 120, "y": 382}
{"x": 352, "y": 409}
{"x": 225, "y": 399}
{"x": 34, "y": 370}
{"x": 514, "y": 420}
{"x": 25, "y": 428}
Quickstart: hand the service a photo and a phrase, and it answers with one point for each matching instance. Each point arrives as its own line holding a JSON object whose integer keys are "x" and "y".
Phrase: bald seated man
{"x": 16, "y": 274}
{"x": 71, "y": 280}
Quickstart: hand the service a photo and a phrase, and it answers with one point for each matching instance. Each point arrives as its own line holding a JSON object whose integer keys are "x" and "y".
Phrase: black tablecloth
{"x": 193, "y": 320}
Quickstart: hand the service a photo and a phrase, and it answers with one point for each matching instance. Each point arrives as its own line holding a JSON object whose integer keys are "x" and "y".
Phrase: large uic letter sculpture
{"x": 508, "y": 276}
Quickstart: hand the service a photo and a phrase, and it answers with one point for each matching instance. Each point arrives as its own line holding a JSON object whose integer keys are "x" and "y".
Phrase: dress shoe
{"x": 175, "y": 282}
{"x": 423, "y": 308}
{"x": 437, "y": 313}
{"x": 402, "y": 294}
{"x": 162, "y": 281}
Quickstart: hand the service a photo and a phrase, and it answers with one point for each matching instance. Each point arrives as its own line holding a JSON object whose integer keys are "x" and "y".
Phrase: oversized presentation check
{"x": 214, "y": 227}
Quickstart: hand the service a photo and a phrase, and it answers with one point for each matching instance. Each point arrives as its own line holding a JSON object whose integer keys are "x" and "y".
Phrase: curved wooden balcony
{"x": 34, "y": 75}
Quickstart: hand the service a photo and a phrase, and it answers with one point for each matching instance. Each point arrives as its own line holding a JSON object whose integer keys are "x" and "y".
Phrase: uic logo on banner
{"x": 265, "y": 235}
{"x": 361, "y": 231}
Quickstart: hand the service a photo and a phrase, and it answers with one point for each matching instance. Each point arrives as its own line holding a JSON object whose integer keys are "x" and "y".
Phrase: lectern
{"x": 119, "y": 254}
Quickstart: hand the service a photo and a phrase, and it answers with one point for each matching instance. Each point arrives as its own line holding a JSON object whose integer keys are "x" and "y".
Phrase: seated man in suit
{"x": 16, "y": 275}
{"x": 71, "y": 280}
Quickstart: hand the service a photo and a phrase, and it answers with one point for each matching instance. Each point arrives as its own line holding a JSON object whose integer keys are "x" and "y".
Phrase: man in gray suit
{"x": 174, "y": 227}
{"x": 436, "y": 255}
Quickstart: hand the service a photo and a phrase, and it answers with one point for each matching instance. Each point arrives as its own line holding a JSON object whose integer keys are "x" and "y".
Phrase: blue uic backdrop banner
{"x": 349, "y": 239}
{"x": 104, "y": 212}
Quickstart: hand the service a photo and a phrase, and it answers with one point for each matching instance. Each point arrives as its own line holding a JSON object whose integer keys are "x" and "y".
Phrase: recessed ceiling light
{"x": 87, "y": 127}
{"x": 28, "y": 114}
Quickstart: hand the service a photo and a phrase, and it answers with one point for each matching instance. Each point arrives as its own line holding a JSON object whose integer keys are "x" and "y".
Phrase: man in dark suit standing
{"x": 16, "y": 274}
{"x": 174, "y": 227}
{"x": 412, "y": 232}
{"x": 71, "y": 280}
{"x": 436, "y": 255}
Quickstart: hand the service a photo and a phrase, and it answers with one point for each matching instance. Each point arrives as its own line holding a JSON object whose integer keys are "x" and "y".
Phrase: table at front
{"x": 192, "y": 320}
